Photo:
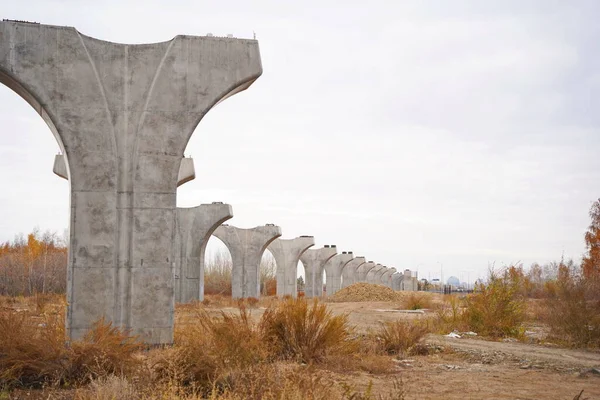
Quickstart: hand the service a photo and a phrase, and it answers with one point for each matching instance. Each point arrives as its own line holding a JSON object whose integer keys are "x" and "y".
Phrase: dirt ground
{"x": 473, "y": 368}
{"x": 464, "y": 368}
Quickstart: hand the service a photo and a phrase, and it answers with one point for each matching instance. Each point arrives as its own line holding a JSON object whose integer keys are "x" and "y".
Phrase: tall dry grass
{"x": 305, "y": 331}
{"x": 399, "y": 337}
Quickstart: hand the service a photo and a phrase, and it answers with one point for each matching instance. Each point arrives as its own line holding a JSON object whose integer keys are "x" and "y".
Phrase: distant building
{"x": 453, "y": 281}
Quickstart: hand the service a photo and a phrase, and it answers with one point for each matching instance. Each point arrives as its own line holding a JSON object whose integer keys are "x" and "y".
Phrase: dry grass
{"x": 32, "y": 353}
{"x": 104, "y": 351}
{"x": 417, "y": 301}
{"x": 305, "y": 332}
{"x": 400, "y": 337}
{"x": 572, "y": 311}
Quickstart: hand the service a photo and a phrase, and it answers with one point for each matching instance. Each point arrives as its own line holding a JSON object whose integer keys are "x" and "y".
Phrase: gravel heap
{"x": 365, "y": 292}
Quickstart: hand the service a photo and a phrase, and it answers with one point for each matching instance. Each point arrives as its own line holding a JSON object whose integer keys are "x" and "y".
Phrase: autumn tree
{"x": 591, "y": 260}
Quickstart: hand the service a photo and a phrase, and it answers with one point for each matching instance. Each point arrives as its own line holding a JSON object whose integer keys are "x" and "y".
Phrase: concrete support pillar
{"x": 333, "y": 271}
{"x": 397, "y": 281}
{"x": 378, "y": 275}
{"x": 193, "y": 227}
{"x": 349, "y": 272}
{"x": 371, "y": 274}
{"x": 314, "y": 261}
{"x": 122, "y": 116}
{"x": 361, "y": 272}
{"x": 387, "y": 277}
{"x": 246, "y": 247}
{"x": 287, "y": 254}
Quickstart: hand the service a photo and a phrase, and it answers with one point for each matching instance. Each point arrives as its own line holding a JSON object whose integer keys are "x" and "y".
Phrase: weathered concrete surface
{"x": 122, "y": 116}
{"x": 333, "y": 271}
{"x": 187, "y": 172}
{"x": 193, "y": 228}
{"x": 349, "y": 272}
{"x": 371, "y": 274}
{"x": 287, "y": 254}
{"x": 387, "y": 277}
{"x": 377, "y": 278}
{"x": 246, "y": 247}
{"x": 314, "y": 261}
{"x": 361, "y": 272}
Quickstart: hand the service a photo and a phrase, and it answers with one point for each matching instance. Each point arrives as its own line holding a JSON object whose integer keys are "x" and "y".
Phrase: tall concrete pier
{"x": 349, "y": 272}
{"x": 370, "y": 278}
{"x": 122, "y": 116}
{"x": 193, "y": 227}
{"x": 387, "y": 277}
{"x": 333, "y": 271}
{"x": 246, "y": 247}
{"x": 314, "y": 260}
{"x": 361, "y": 272}
{"x": 287, "y": 254}
{"x": 378, "y": 275}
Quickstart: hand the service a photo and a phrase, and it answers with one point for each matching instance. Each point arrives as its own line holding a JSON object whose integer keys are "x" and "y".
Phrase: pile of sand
{"x": 365, "y": 292}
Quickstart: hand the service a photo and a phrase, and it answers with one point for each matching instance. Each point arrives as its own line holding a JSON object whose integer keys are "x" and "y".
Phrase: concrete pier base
{"x": 287, "y": 254}
{"x": 246, "y": 247}
{"x": 314, "y": 260}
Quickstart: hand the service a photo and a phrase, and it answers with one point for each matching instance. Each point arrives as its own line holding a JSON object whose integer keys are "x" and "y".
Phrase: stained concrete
{"x": 122, "y": 116}
{"x": 333, "y": 271}
{"x": 386, "y": 278}
{"x": 246, "y": 247}
{"x": 193, "y": 228}
{"x": 349, "y": 272}
{"x": 404, "y": 281}
{"x": 361, "y": 272}
{"x": 287, "y": 254}
{"x": 314, "y": 261}
{"x": 370, "y": 278}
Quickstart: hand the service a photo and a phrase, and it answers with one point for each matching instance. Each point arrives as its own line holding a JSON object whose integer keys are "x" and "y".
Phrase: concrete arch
{"x": 350, "y": 271}
{"x": 314, "y": 262}
{"x": 333, "y": 269}
{"x": 287, "y": 253}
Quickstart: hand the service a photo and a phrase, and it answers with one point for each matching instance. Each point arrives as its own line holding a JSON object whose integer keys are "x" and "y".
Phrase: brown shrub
{"x": 399, "y": 337}
{"x": 104, "y": 350}
{"x": 416, "y": 301}
{"x": 211, "y": 348}
{"x": 572, "y": 310}
{"x": 32, "y": 353}
{"x": 305, "y": 332}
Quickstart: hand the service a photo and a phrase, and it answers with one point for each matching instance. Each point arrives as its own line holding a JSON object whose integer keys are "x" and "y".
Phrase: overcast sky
{"x": 411, "y": 132}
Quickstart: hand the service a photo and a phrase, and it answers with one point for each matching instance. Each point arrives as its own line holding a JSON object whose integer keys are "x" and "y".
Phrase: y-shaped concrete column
{"x": 387, "y": 277}
{"x": 287, "y": 253}
{"x": 349, "y": 272}
{"x": 377, "y": 278}
{"x": 314, "y": 260}
{"x": 122, "y": 115}
{"x": 361, "y": 272}
{"x": 372, "y": 272}
{"x": 246, "y": 247}
{"x": 193, "y": 228}
{"x": 333, "y": 271}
